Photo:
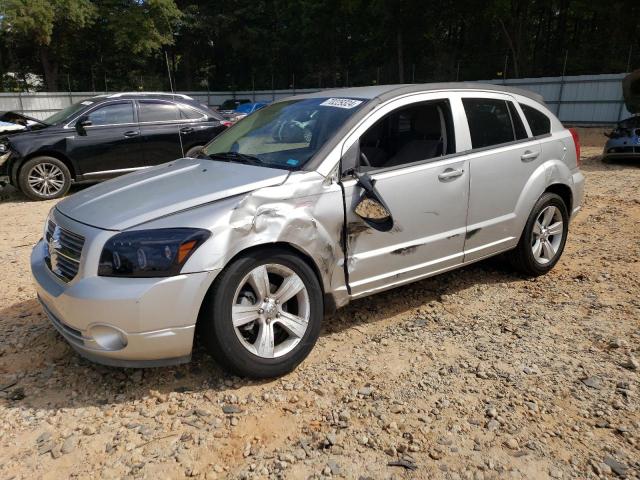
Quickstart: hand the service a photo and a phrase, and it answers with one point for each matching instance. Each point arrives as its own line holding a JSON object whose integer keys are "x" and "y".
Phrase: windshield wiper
{"x": 237, "y": 157}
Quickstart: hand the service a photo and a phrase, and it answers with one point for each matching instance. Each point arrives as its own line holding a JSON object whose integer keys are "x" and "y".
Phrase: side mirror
{"x": 370, "y": 207}
{"x": 83, "y": 122}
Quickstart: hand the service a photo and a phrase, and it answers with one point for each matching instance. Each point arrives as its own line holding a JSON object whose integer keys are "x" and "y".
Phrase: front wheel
{"x": 263, "y": 315}
{"x": 44, "y": 178}
{"x": 543, "y": 238}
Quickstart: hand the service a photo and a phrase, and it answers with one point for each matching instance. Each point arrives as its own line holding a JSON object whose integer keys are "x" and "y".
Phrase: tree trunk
{"x": 512, "y": 47}
{"x": 50, "y": 69}
{"x": 187, "y": 70}
{"x": 400, "y": 57}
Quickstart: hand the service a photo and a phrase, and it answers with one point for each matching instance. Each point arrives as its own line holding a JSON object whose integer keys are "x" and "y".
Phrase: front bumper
{"x": 4, "y": 168}
{"x": 127, "y": 322}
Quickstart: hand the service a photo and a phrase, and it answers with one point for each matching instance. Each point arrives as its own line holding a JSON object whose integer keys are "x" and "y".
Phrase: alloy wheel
{"x": 270, "y": 311}
{"x": 548, "y": 230}
{"x": 46, "y": 179}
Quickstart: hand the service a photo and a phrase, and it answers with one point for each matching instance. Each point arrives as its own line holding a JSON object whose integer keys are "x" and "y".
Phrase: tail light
{"x": 576, "y": 142}
{"x": 226, "y": 123}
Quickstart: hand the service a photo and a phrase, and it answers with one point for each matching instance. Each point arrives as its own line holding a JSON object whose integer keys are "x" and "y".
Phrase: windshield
{"x": 67, "y": 112}
{"x": 286, "y": 134}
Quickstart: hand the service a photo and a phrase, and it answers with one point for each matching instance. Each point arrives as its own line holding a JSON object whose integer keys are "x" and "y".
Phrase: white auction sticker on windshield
{"x": 341, "y": 102}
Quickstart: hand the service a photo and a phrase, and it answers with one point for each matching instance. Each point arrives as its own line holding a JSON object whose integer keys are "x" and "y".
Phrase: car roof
{"x": 174, "y": 97}
{"x": 387, "y": 92}
{"x": 381, "y": 93}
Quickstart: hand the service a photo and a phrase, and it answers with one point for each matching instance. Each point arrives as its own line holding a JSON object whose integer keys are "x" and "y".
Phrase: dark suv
{"x": 102, "y": 137}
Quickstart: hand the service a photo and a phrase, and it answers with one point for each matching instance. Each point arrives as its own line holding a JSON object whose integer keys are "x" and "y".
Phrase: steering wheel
{"x": 364, "y": 160}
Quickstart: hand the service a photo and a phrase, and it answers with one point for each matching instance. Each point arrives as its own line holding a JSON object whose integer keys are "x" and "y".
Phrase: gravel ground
{"x": 474, "y": 374}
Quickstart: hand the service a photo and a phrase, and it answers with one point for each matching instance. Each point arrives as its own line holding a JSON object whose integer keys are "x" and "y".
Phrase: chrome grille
{"x": 64, "y": 249}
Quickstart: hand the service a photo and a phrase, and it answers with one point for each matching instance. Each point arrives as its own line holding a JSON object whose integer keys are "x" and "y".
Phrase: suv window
{"x": 410, "y": 134}
{"x": 489, "y": 121}
{"x": 158, "y": 112}
{"x": 538, "y": 121}
{"x": 189, "y": 113}
{"x": 112, "y": 114}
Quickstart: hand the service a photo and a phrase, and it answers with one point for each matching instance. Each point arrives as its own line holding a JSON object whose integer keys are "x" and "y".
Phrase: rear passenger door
{"x": 160, "y": 125}
{"x": 502, "y": 158}
{"x": 197, "y": 128}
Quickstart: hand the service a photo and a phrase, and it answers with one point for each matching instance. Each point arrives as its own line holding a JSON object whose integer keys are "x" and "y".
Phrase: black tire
{"x": 522, "y": 257}
{"x": 44, "y": 162}
{"x": 194, "y": 151}
{"x": 219, "y": 335}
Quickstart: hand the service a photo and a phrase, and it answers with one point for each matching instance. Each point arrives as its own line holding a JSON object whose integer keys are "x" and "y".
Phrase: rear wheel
{"x": 263, "y": 315}
{"x": 194, "y": 151}
{"x": 544, "y": 236}
{"x": 44, "y": 178}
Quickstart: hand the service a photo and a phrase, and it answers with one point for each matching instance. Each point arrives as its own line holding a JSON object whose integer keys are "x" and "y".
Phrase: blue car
{"x": 624, "y": 140}
{"x": 246, "y": 109}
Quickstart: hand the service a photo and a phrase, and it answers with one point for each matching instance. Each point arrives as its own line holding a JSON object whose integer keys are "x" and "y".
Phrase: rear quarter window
{"x": 539, "y": 123}
{"x": 187, "y": 113}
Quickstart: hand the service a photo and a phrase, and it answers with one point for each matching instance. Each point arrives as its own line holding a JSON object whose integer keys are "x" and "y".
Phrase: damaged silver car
{"x": 303, "y": 206}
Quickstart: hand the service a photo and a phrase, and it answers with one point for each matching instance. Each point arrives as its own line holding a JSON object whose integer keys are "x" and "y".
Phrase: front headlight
{"x": 150, "y": 253}
{"x": 3, "y": 147}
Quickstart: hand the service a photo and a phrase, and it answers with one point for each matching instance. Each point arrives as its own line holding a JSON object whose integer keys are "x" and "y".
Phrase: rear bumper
{"x": 577, "y": 178}
{"x": 107, "y": 320}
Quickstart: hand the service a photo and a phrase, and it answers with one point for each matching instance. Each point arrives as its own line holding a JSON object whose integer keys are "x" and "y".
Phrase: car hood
{"x": 169, "y": 188}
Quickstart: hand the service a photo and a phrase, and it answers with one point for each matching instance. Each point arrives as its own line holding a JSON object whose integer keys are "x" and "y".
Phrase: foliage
{"x": 240, "y": 44}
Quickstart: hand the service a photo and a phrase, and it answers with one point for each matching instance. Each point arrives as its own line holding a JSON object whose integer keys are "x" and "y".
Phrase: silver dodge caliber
{"x": 299, "y": 208}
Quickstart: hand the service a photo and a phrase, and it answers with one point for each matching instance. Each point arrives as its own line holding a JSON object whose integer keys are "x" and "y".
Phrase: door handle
{"x": 131, "y": 133}
{"x": 186, "y": 130}
{"x": 450, "y": 173}
{"x": 529, "y": 155}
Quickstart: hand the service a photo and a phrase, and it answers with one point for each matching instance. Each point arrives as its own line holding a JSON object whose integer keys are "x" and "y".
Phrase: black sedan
{"x": 102, "y": 137}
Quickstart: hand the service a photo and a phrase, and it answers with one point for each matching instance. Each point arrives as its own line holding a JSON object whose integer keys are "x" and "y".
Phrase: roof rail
{"x": 163, "y": 94}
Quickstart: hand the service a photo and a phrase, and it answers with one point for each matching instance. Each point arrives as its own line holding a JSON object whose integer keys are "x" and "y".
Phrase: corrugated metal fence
{"x": 584, "y": 99}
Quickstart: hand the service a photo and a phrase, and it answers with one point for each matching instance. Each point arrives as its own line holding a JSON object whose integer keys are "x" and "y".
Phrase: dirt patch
{"x": 474, "y": 374}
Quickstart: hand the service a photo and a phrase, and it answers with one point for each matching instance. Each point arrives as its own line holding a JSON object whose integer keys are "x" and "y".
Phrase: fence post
{"x": 504, "y": 72}
{"x": 564, "y": 70}
{"x": 20, "y": 102}
{"x": 69, "y": 89}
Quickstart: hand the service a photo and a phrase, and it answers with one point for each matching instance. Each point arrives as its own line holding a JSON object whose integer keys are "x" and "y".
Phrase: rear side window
{"x": 538, "y": 121}
{"x": 518, "y": 126}
{"x": 158, "y": 112}
{"x": 190, "y": 114}
{"x": 112, "y": 114}
{"x": 489, "y": 121}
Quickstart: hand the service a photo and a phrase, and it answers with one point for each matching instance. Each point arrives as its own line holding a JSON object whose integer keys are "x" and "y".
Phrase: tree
{"x": 49, "y": 25}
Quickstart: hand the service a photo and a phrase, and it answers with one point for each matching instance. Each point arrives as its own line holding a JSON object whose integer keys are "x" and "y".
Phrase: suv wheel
{"x": 263, "y": 315}
{"x": 193, "y": 151}
{"x": 544, "y": 236}
{"x": 44, "y": 178}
